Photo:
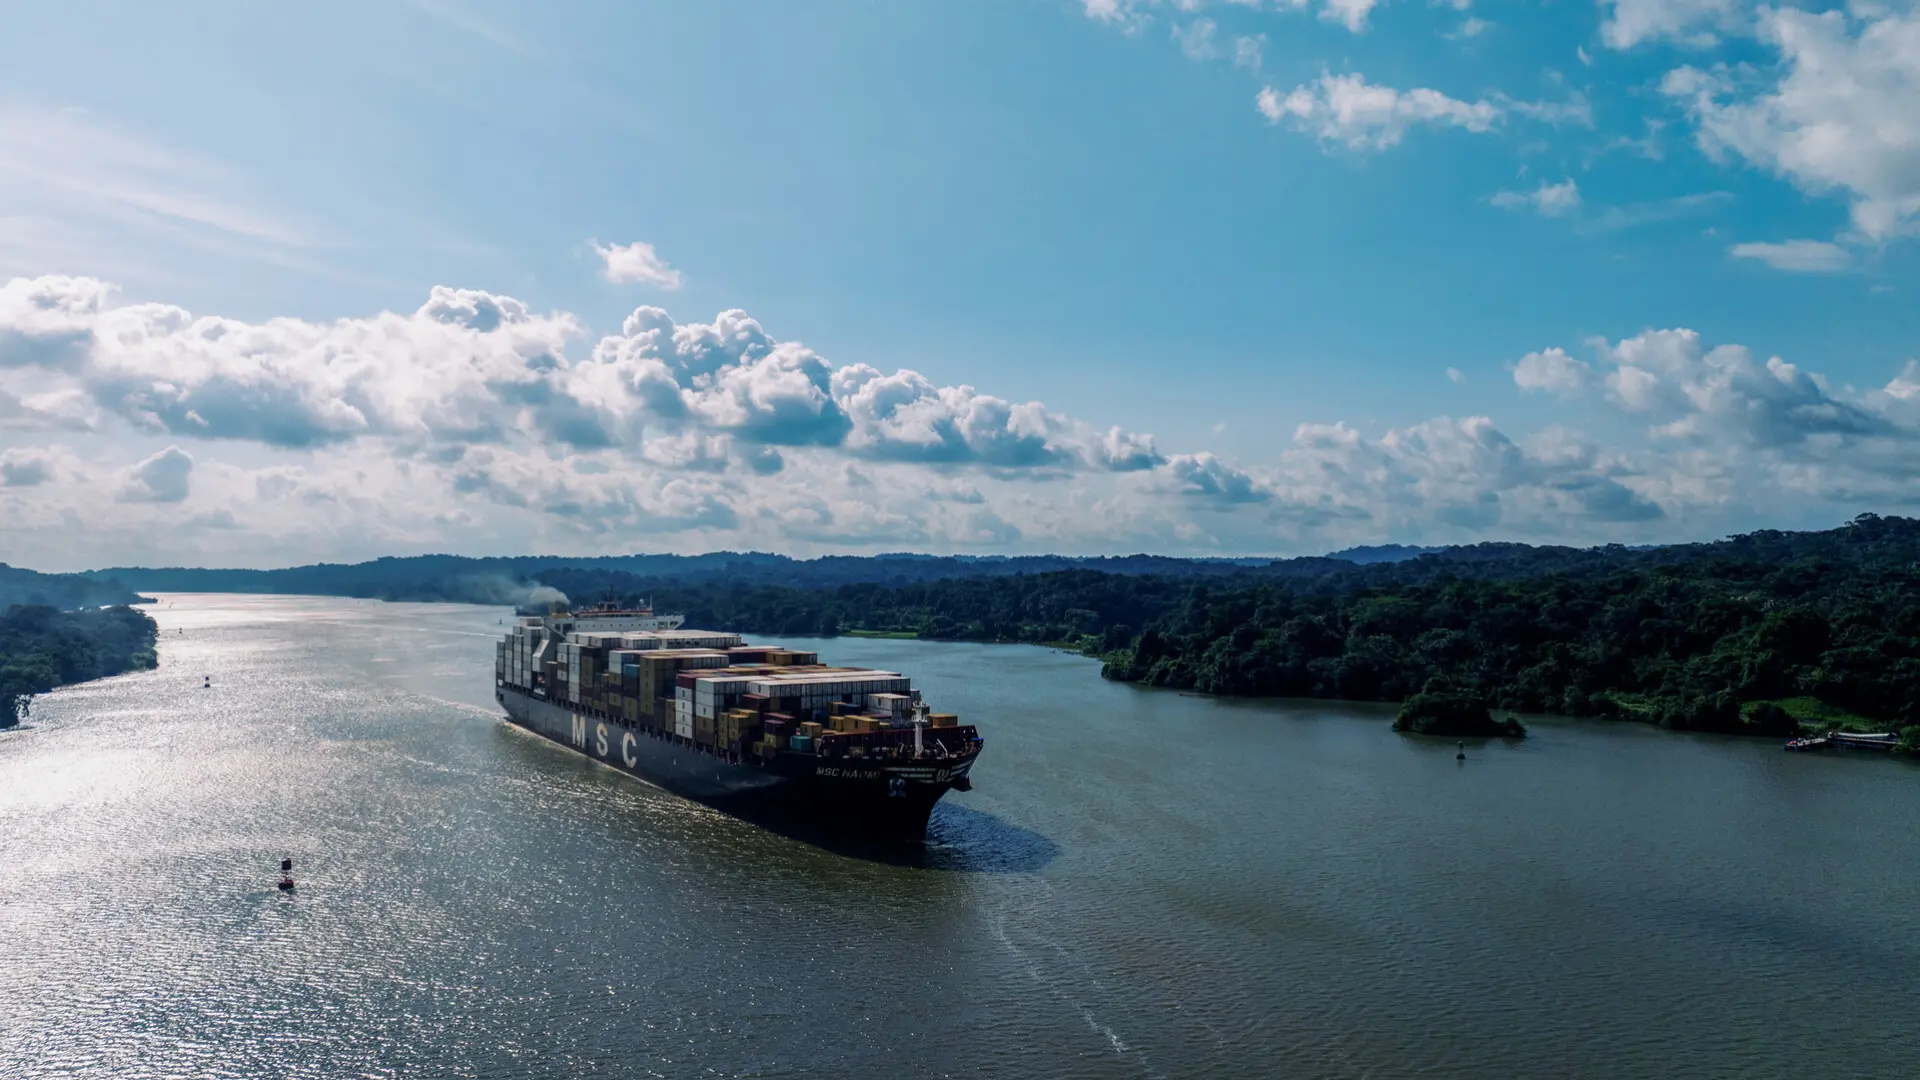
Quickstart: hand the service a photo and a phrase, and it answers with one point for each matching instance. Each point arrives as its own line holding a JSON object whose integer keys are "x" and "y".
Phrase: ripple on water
{"x": 1141, "y": 885}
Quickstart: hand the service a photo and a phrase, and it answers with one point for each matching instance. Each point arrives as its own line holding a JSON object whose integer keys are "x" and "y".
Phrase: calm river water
{"x": 1141, "y": 884}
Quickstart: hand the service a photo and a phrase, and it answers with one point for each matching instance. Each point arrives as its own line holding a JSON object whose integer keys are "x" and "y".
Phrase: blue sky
{"x": 1322, "y": 252}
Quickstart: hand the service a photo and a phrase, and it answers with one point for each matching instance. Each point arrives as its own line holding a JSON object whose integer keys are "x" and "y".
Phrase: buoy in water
{"x": 286, "y": 875}
{"x": 1462, "y": 755}
{"x": 208, "y": 685}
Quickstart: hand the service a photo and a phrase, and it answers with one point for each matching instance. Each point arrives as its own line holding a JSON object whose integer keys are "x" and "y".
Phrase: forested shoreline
{"x": 1759, "y": 634}
{"x": 1762, "y": 633}
{"x": 42, "y": 647}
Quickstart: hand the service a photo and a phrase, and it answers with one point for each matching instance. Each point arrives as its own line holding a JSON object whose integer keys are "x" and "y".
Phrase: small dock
{"x": 1876, "y": 742}
{"x": 1834, "y": 739}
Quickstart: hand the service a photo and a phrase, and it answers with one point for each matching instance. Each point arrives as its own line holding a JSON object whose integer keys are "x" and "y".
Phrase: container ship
{"x": 769, "y": 734}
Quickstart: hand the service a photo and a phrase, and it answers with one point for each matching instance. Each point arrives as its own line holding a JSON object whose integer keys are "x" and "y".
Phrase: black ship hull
{"x": 883, "y": 800}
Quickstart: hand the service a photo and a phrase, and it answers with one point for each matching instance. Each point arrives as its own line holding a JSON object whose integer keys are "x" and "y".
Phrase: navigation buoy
{"x": 1462, "y": 755}
{"x": 286, "y": 875}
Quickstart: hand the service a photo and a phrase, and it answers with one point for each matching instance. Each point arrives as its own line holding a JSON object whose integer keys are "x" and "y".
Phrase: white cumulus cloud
{"x": 1550, "y": 200}
{"x": 1552, "y": 371}
{"x": 25, "y": 467}
{"x": 1690, "y": 22}
{"x": 1837, "y": 114}
{"x": 1205, "y": 476}
{"x": 1722, "y": 395}
{"x": 636, "y": 263}
{"x": 1130, "y": 15}
{"x": 1807, "y": 256}
{"x": 162, "y": 478}
{"x": 1351, "y": 14}
{"x": 1196, "y": 39}
{"x": 1348, "y": 110}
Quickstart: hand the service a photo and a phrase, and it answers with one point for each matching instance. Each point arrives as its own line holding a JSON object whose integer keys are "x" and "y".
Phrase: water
{"x": 1142, "y": 884}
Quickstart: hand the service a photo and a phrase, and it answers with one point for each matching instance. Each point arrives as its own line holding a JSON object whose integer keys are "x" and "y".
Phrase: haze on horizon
{"x": 1268, "y": 277}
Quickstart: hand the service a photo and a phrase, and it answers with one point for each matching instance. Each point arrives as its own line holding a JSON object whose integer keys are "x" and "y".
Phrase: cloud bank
{"x": 477, "y": 423}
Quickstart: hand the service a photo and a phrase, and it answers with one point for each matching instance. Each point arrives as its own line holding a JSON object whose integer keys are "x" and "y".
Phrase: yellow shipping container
{"x": 945, "y": 719}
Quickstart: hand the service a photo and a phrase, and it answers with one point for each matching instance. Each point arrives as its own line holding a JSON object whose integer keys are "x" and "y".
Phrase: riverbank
{"x": 1784, "y": 718}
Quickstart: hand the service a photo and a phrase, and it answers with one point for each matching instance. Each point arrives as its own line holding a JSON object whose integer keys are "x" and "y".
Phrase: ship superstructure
{"x": 758, "y": 729}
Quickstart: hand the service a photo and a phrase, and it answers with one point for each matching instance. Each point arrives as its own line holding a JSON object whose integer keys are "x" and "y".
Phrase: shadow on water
{"x": 959, "y": 840}
{"x": 963, "y": 839}
{"x": 1781, "y": 931}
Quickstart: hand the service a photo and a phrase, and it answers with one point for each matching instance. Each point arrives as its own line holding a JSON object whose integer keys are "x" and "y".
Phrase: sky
{"x": 290, "y": 283}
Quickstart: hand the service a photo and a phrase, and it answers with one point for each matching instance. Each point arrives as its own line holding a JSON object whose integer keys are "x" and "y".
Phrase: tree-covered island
{"x": 1442, "y": 712}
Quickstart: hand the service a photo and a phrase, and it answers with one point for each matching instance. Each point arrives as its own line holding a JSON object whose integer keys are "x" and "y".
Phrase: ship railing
{"x": 934, "y": 753}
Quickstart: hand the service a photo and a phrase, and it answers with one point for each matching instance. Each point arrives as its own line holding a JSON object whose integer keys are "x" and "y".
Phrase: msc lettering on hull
{"x": 600, "y": 745}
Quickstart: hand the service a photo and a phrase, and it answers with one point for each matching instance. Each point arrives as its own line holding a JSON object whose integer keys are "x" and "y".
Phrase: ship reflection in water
{"x": 1140, "y": 884}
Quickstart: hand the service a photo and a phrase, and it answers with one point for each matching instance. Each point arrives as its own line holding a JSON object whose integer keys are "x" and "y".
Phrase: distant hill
{"x": 536, "y": 579}
{"x": 518, "y": 579}
{"x": 63, "y": 591}
{"x": 1379, "y": 553}
{"x": 533, "y": 579}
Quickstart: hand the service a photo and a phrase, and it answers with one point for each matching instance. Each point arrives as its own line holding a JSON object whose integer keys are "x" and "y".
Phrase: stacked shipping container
{"x": 515, "y": 655}
{"x": 706, "y": 687}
